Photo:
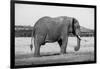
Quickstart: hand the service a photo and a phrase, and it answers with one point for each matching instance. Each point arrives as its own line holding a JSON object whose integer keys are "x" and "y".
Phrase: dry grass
{"x": 50, "y": 53}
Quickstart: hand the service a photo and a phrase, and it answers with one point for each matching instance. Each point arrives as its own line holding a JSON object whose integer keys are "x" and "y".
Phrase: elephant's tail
{"x": 32, "y": 35}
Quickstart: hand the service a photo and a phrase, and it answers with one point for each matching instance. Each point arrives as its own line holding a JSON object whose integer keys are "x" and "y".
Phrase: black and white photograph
{"x": 47, "y": 34}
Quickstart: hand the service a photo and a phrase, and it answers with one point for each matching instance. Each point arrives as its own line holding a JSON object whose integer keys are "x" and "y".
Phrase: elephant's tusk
{"x": 82, "y": 39}
{"x": 79, "y": 37}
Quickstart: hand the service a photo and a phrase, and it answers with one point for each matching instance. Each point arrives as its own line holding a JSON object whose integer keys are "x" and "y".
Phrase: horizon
{"x": 32, "y": 26}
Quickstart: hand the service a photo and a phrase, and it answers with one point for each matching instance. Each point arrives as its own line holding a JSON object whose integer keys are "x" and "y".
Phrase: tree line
{"x": 28, "y": 33}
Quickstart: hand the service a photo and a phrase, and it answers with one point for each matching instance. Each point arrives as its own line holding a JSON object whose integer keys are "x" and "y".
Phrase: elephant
{"x": 55, "y": 29}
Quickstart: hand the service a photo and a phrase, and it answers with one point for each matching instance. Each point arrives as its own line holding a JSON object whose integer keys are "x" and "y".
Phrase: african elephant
{"x": 48, "y": 29}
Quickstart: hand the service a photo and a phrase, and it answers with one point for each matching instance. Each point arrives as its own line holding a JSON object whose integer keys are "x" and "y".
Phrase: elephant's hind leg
{"x": 60, "y": 42}
{"x": 38, "y": 41}
{"x": 36, "y": 46}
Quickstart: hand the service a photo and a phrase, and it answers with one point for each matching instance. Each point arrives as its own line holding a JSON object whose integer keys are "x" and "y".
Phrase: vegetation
{"x": 26, "y": 31}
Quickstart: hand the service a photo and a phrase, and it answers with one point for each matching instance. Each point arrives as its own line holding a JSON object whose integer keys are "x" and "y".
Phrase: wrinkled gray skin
{"x": 56, "y": 29}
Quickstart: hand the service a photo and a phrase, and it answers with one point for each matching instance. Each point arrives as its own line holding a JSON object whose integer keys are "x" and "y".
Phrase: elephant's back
{"x": 48, "y": 21}
{"x": 42, "y": 21}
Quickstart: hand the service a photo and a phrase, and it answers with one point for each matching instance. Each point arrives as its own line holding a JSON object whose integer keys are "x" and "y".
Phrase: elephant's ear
{"x": 73, "y": 25}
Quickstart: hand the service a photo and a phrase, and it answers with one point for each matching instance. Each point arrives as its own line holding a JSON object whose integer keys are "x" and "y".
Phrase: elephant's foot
{"x": 76, "y": 48}
{"x": 35, "y": 55}
{"x": 63, "y": 52}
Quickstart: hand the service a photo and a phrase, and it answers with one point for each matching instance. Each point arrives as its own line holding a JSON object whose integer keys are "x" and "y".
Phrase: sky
{"x": 26, "y": 14}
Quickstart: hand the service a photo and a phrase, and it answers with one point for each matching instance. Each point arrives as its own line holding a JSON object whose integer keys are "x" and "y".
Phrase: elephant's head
{"x": 76, "y": 31}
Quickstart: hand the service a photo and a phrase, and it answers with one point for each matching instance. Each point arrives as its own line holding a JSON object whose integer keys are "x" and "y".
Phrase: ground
{"x": 50, "y": 53}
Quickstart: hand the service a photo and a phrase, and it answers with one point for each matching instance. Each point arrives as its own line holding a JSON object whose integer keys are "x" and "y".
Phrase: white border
{"x": 5, "y": 34}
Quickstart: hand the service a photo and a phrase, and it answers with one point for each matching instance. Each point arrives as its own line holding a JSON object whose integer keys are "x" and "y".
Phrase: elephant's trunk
{"x": 78, "y": 43}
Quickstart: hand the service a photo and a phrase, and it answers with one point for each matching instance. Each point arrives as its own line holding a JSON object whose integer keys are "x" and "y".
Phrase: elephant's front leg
{"x": 64, "y": 45}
